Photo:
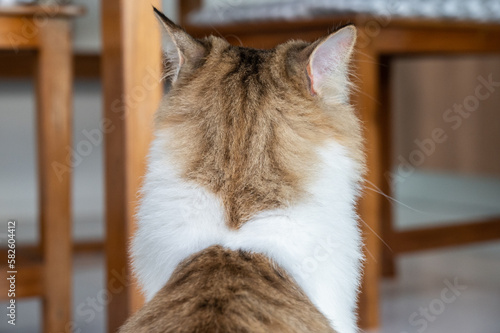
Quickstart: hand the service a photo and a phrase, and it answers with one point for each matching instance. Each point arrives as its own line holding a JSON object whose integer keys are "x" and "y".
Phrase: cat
{"x": 247, "y": 220}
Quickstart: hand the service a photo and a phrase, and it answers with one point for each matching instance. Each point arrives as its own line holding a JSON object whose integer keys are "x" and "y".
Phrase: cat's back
{"x": 247, "y": 220}
{"x": 221, "y": 290}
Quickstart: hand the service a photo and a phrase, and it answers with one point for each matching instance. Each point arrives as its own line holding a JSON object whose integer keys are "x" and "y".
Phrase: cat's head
{"x": 246, "y": 124}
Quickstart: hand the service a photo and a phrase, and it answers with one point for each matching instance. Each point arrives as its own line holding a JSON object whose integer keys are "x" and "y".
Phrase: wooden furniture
{"x": 47, "y": 31}
{"x": 131, "y": 72}
{"x": 127, "y": 54}
{"x": 23, "y": 64}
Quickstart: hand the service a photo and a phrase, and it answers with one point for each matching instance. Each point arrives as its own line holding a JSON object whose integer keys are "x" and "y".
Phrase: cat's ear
{"x": 179, "y": 47}
{"x": 328, "y": 62}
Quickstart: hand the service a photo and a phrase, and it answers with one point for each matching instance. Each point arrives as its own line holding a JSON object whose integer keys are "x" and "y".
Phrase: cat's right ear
{"x": 328, "y": 64}
{"x": 179, "y": 47}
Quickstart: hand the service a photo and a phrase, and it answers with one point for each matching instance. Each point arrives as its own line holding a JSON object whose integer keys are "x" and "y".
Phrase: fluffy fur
{"x": 221, "y": 290}
{"x": 250, "y": 157}
{"x": 317, "y": 241}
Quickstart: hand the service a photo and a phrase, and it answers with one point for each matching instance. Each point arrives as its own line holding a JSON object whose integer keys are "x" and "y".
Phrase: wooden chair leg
{"x": 369, "y": 209}
{"x": 388, "y": 257}
{"x": 386, "y": 210}
{"x": 132, "y": 92}
{"x": 54, "y": 96}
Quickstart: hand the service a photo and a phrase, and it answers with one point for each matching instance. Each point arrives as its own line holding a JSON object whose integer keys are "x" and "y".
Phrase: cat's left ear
{"x": 328, "y": 62}
{"x": 180, "y": 48}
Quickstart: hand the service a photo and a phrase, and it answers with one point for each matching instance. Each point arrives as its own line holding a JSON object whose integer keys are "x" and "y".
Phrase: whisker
{"x": 380, "y": 238}
{"x": 369, "y": 96}
{"x": 217, "y": 31}
{"x": 237, "y": 38}
{"x": 379, "y": 191}
{"x": 365, "y": 54}
{"x": 370, "y": 62}
{"x": 370, "y": 254}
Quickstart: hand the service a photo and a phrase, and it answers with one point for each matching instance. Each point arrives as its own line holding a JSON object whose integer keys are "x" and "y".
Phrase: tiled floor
{"x": 420, "y": 299}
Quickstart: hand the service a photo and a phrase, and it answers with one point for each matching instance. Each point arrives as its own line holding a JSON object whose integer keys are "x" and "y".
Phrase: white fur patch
{"x": 317, "y": 241}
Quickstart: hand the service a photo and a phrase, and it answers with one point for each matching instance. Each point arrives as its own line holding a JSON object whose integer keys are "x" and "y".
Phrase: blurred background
{"x": 458, "y": 181}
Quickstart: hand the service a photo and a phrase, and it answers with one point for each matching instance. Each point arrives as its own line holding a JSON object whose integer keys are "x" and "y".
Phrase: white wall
{"x": 87, "y": 31}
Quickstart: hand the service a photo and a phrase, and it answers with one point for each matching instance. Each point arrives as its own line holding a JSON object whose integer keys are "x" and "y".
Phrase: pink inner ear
{"x": 329, "y": 55}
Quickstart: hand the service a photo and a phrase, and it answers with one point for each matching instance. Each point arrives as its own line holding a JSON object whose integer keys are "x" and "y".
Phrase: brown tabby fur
{"x": 244, "y": 124}
{"x": 220, "y": 290}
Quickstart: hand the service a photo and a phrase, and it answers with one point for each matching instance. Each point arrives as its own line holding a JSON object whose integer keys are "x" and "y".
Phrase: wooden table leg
{"x": 132, "y": 92}
{"x": 366, "y": 101}
{"x": 54, "y": 96}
